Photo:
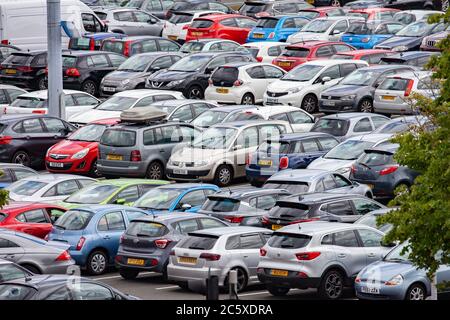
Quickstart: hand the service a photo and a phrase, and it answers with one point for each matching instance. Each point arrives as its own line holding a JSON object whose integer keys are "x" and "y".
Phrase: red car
{"x": 372, "y": 56}
{"x": 374, "y": 13}
{"x": 222, "y": 26}
{"x": 298, "y": 53}
{"x": 78, "y": 153}
{"x": 321, "y": 12}
{"x": 29, "y": 217}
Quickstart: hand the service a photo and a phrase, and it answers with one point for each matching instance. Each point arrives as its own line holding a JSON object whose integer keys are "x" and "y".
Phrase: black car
{"x": 6, "y": 50}
{"x": 59, "y": 287}
{"x": 441, "y": 5}
{"x": 25, "y": 139}
{"x": 84, "y": 70}
{"x": 25, "y": 69}
{"x": 260, "y": 8}
{"x": 130, "y": 46}
{"x": 190, "y": 74}
{"x": 410, "y": 58}
{"x": 11, "y": 172}
{"x": 191, "y": 5}
{"x": 319, "y": 206}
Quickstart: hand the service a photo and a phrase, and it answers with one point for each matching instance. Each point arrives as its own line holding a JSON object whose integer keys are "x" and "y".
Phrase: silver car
{"x": 216, "y": 252}
{"x": 11, "y": 271}
{"x": 34, "y": 254}
{"x": 322, "y": 255}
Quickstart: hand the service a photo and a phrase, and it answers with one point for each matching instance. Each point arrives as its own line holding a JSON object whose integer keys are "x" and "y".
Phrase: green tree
{"x": 3, "y": 195}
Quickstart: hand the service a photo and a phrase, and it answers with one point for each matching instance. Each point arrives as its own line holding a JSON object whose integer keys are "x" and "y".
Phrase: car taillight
{"x": 307, "y": 255}
{"x": 25, "y": 69}
{"x": 353, "y": 169}
{"x": 4, "y": 41}
{"x": 92, "y": 44}
{"x": 259, "y": 59}
{"x": 80, "y": 243}
{"x": 262, "y": 252}
{"x": 388, "y": 170}
{"x": 408, "y": 88}
{"x": 126, "y": 49}
{"x": 185, "y": 27}
{"x": 238, "y": 83}
{"x": 135, "y": 156}
{"x": 210, "y": 82}
{"x": 271, "y": 35}
{"x": 357, "y": 280}
{"x": 248, "y": 160}
{"x": 265, "y": 220}
{"x": 39, "y": 111}
{"x": 284, "y": 163}
{"x": 162, "y": 243}
{"x": 210, "y": 256}
{"x": 304, "y": 220}
{"x": 172, "y": 252}
{"x": 233, "y": 219}
{"x": 65, "y": 256}
{"x": 72, "y": 72}
{"x": 5, "y": 139}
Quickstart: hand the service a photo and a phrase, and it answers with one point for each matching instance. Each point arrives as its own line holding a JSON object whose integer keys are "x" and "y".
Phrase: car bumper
{"x": 233, "y": 96}
{"x": 190, "y": 174}
{"x": 385, "y": 292}
{"x": 291, "y": 281}
{"x": 72, "y": 83}
{"x": 338, "y": 106}
{"x": 381, "y": 189}
{"x": 58, "y": 268}
{"x": 391, "y": 108}
{"x": 183, "y": 274}
{"x": 23, "y": 82}
{"x": 78, "y": 166}
{"x": 152, "y": 262}
{"x": 79, "y": 257}
{"x": 136, "y": 169}
{"x": 294, "y": 100}
{"x": 258, "y": 174}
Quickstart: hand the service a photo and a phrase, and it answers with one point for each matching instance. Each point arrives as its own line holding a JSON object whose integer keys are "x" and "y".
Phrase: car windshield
{"x": 15, "y": 292}
{"x": 209, "y": 118}
{"x": 221, "y": 204}
{"x": 74, "y": 220}
{"x": 361, "y": 78}
{"x": 190, "y": 63}
{"x": 93, "y": 194}
{"x": 10, "y": 271}
{"x": 267, "y": 23}
{"x": 274, "y": 147}
{"x": 417, "y": 29}
{"x": 180, "y": 17}
{"x": 348, "y": 150}
{"x": 396, "y": 255}
{"x": 360, "y": 28}
{"x": 293, "y": 187}
{"x": 26, "y": 188}
{"x": 29, "y": 103}
{"x": 302, "y": 73}
{"x": 136, "y": 63}
{"x": 318, "y": 26}
{"x": 215, "y": 138}
{"x": 90, "y": 133}
{"x": 335, "y": 127}
{"x": 117, "y": 103}
{"x": 158, "y": 199}
{"x": 192, "y": 46}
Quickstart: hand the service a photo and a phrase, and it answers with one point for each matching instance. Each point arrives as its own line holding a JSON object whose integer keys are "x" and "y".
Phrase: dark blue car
{"x": 289, "y": 151}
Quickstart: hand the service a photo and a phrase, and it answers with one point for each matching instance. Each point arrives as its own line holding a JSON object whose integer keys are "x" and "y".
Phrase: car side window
{"x": 274, "y": 51}
{"x": 229, "y": 23}
{"x": 245, "y": 23}
{"x": 394, "y": 28}
{"x": 215, "y": 47}
{"x": 327, "y": 239}
{"x": 272, "y": 72}
{"x": 341, "y": 208}
{"x": 131, "y": 215}
{"x": 256, "y": 72}
{"x": 129, "y": 194}
{"x": 341, "y": 26}
{"x": 116, "y": 60}
{"x": 340, "y": 181}
{"x": 251, "y": 241}
{"x": 201, "y": 107}
{"x": 327, "y": 143}
{"x": 111, "y": 221}
{"x": 36, "y": 216}
{"x": 378, "y": 121}
{"x": 281, "y": 116}
{"x": 319, "y": 186}
{"x": 363, "y": 125}
{"x": 169, "y": 46}
{"x": 91, "y": 291}
{"x": 100, "y": 60}
{"x": 84, "y": 100}
{"x": 3, "y": 98}
{"x": 169, "y": 135}
{"x": 346, "y": 239}
{"x": 187, "y": 133}
{"x": 186, "y": 226}
{"x": 299, "y": 117}
{"x": 370, "y": 238}
{"x": 6, "y": 175}
{"x": 218, "y": 7}
{"x": 324, "y": 51}
{"x": 363, "y": 206}
{"x": 124, "y": 16}
{"x": 332, "y": 72}
{"x": 208, "y": 223}
{"x": 4, "y": 243}
{"x": 30, "y": 126}
{"x": 347, "y": 68}
{"x": 183, "y": 113}
{"x": 250, "y": 136}
{"x": 66, "y": 187}
{"x": 145, "y": 102}
{"x": 233, "y": 243}
{"x": 141, "y": 16}
{"x": 194, "y": 198}
{"x": 90, "y": 23}
{"x": 13, "y": 93}
{"x": 161, "y": 63}
{"x": 53, "y": 125}
{"x": 149, "y": 137}
{"x": 269, "y": 131}
{"x": 216, "y": 62}
{"x": 329, "y": 182}
{"x": 288, "y": 23}
{"x": 229, "y": 46}
{"x": 310, "y": 145}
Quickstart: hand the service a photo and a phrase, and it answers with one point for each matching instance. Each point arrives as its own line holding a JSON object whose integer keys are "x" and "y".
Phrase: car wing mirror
{"x": 237, "y": 147}
{"x": 120, "y": 201}
{"x": 186, "y": 206}
{"x": 325, "y": 79}
{"x": 151, "y": 21}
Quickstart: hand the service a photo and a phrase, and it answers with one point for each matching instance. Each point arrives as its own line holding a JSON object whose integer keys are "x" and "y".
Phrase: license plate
{"x": 276, "y": 227}
{"x": 10, "y": 71}
{"x": 136, "y": 262}
{"x": 279, "y": 273}
{"x": 272, "y": 100}
{"x": 187, "y": 260}
{"x": 222, "y": 90}
{"x": 197, "y": 33}
{"x": 328, "y": 103}
{"x": 109, "y": 89}
{"x": 258, "y": 35}
{"x": 284, "y": 63}
{"x": 56, "y": 164}
{"x": 265, "y": 162}
{"x": 180, "y": 171}
{"x": 172, "y": 37}
{"x": 114, "y": 157}
{"x": 390, "y": 98}
{"x": 372, "y": 290}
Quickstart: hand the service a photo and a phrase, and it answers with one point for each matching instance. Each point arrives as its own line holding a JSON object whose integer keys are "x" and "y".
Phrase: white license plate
{"x": 372, "y": 290}
{"x": 109, "y": 89}
{"x": 180, "y": 171}
{"x": 56, "y": 164}
{"x": 272, "y": 100}
{"x": 328, "y": 103}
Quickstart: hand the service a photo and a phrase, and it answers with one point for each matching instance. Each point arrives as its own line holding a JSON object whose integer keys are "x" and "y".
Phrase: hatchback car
{"x": 403, "y": 124}
{"x": 429, "y": 43}
{"x": 371, "y": 56}
{"x": 11, "y": 271}
{"x": 411, "y": 58}
{"x": 130, "y": 46}
{"x": 262, "y": 8}
{"x": 322, "y": 255}
{"x": 8, "y": 94}
{"x": 158, "y": 8}
{"x": 184, "y": 110}
{"x": 409, "y": 16}
{"x": 276, "y": 28}
{"x": 6, "y": 50}
{"x": 322, "y": 12}
{"x": 370, "y": 14}
{"x": 211, "y": 45}
{"x": 265, "y": 51}
{"x": 216, "y": 252}
{"x": 11, "y": 172}
{"x": 223, "y": 114}
{"x": 92, "y": 234}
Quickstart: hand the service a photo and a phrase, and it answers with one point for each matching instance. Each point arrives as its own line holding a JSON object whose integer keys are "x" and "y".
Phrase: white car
{"x": 265, "y": 51}
{"x": 176, "y": 27}
{"x": 36, "y": 102}
{"x": 410, "y": 16}
{"x": 211, "y": 45}
{"x": 8, "y": 94}
{"x": 327, "y": 29}
{"x": 301, "y": 87}
{"x": 242, "y": 83}
{"x": 48, "y": 188}
{"x": 113, "y": 107}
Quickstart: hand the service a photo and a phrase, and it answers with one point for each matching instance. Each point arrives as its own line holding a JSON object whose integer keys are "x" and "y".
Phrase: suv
{"x": 322, "y": 255}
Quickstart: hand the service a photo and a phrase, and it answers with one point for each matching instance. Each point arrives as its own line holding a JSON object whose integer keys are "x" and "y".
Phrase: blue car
{"x": 365, "y": 35}
{"x": 186, "y": 197}
{"x": 93, "y": 233}
{"x": 92, "y": 41}
{"x": 277, "y": 28}
{"x": 289, "y": 151}
{"x": 11, "y": 172}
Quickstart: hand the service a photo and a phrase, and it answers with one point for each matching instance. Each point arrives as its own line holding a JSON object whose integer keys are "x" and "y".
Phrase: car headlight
{"x": 48, "y": 152}
{"x": 343, "y": 170}
{"x": 125, "y": 82}
{"x": 200, "y": 163}
{"x": 395, "y": 281}
{"x": 348, "y": 97}
{"x": 174, "y": 83}
{"x": 293, "y": 90}
{"x": 80, "y": 154}
{"x": 400, "y": 48}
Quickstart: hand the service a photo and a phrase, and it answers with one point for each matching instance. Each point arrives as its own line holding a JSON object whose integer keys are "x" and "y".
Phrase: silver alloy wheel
{"x": 42, "y": 83}
{"x": 416, "y": 293}
{"x": 309, "y": 104}
{"x": 333, "y": 285}
{"x": 366, "y": 106}
{"x": 445, "y": 5}
{"x": 22, "y": 158}
{"x": 195, "y": 93}
{"x": 98, "y": 263}
{"x": 240, "y": 279}
{"x": 154, "y": 171}
{"x": 335, "y": 3}
{"x": 89, "y": 87}
{"x": 224, "y": 175}
{"x": 247, "y": 99}
{"x": 94, "y": 169}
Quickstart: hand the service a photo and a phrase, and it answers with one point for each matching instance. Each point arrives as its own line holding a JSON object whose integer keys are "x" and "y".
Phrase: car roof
{"x": 122, "y": 182}
{"x": 313, "y": 43}
{"x": 180, "y": 102}
{"x": 382, "y": 67}
{"x": 298, "y": 175}
{"x": 8, "y": 86}
{"x": 371, "y": 137}
{"x": 224, "y": 231}
{"x": 244, "y": 191}
{"x": 363, "y": 51}
{"x": 170, "y": 217}
{"x": 410, "y": 55}
{"x": 263, "y": 44}
{"x": 219, "y": 17}
{"x": 232, "y": 108}
{"x": 314, "y": 227}
{"x": 244, "y": 123}
{"x": 53, "y": 177}
{"x": 23, "y": 204}
{"x": 317, "y": 197}
{"x": 134, "y": 38}
{"x": 96, "y": 208}
{"x": 348, "y": 115}
{"x": 42, "y": 94}
{"x": 42, "y": 281}
{"x": 14, "y": 165}
{"x": 186, "y": 185}
{"x": 301, "y": 135}
{"x": 82, "y": 53}
{"x": 141, "y": 93}
{"x": 238, "y": 64}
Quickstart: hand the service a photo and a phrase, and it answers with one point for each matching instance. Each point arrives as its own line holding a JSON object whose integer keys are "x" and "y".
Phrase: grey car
{"x": 403, "y": 124}
{"x": 147, "y": 242}
{"x": 244, "y": 206}
{"x": 216, "y": 252}
{"x": 135, "y": 70}
{"x": 11, "y": 271}
{"x": 184, "y": 110}
{"x": 34, "y": 254}
{"x": 370, "y": 219}
{"x": 224, "y": 114}
{"x": 156, "y": 7}
{"x": 355, "y": 92}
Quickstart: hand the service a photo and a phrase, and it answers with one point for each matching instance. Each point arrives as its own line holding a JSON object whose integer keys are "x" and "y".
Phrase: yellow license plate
{"x": 187, "y": 260}
{"x": 258, "y": 36}
{"x": 265, "y": 162}
{"x": 276, "y": 227}
{"x": 310, "y": 1}
{"x": 10, "y": 71}
{"x": 390, "y": 98}
{"x": 279, "y": 273}
{"x": 173, "y": 37}
{"x": 197, "y": 33}
{"x": 136, "y": 262}
{"x": 222, "y": 90}
{"x": 114, "y": 157}
{"x": 284, "y": 64}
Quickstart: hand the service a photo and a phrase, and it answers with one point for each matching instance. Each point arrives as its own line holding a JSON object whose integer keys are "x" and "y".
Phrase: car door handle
{"x": 162, "y": 150}
{"x": 27, "y": 137}
{"x": 245, "y": 256}
{"x": 371, "y": 255}
{"x": 341, "y": 255}
{"x": 106, "y": 237}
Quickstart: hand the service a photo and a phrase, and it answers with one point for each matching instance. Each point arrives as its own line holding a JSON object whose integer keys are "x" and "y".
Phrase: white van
{"x": 24, "y": 23}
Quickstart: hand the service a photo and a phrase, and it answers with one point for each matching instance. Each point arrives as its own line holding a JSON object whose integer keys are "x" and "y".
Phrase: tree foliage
{"x": 3, "y": 195}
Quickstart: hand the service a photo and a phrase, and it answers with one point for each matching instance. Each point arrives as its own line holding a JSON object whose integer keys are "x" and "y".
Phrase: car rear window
{"x": 29, "y": 103}
{"x": 69, "y": 61}
{"x": 113, "y": 46}
{"x": 335, "y": 127}
{"x": 146, "y": 229}
{"x": 386, "y": 60}
{"x": 291, "y": 186}
{"x": 308, "y": 14}
{"x": 2, "y": 216}
{"x": 288, "y": 240}
{"x": 394, "y": 84}
{"x": 219, "y": 204}
{"x": 289, "y": 210}
{"x": 227, "y": 75}
{"x": 74, "y": 220}
{"x": 19, "y": 59}
{"x": 180, "y": 17}
{"x": 376, "y": 158}
{"x": 118, "y": 138}
{"x": 296, "y": 52}
{"x": 342, "y": 56}
{"x": 198, "y": 242}
{"x": 15, "y": 292}
{"x": 79, "y": 44}
{"x": 252, "y": 8}
{"x": 26, "y": 188}
{"x": 201, "y": 24}
{"x": 267, "y": 23}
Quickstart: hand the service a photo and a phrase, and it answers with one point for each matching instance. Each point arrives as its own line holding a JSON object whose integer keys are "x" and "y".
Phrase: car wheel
{"x": 415, "y": 292}
{"x": 248, "y": 99}
{"x": 309, "y": 103}
{"x": 32, "y": 269}
{"x": 335, "y": 3}
{"x": 42, "y": 83}
{"x": 195, "y": 92}
{"x": 278, "y": 291}
{"x": 369, "y": 195}
{"x": 242, "y": 280}
{"x": 96, "y": 263}
{"x": 223, "y": 176}
{"x": 445, "y": 5}
{"x": 93, "y": 172}
{"x": 21, "y": 157}
{"x": 332, "y": 285}
{"x": 128, "y": 274}
{"x": 90, "y": 87}
{"x": 155, "y": 171}
{"x": 365, "y": 105}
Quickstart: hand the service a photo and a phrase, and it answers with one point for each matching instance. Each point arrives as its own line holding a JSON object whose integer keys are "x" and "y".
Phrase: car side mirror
{"x": 325, "y": 79}
{"x": 376, "y": 85}
{"x": 152, "y": 21}
{"x": 336, "y": 31}
{"x": 237, "y": 147}
{"x": 121, "y": 201}
{"x": 186, "y": 206}
{"x": 154, "y": 69}
{"x": 64, "y": 132}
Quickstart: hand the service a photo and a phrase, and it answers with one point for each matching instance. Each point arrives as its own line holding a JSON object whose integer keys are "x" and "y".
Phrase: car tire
{"x": 195, "y": 92}
{"x": 155, "y": 171}
{"x": 278, "y": 291}
{"x": 21, "y": 157}
{"x": 365, "y": 105}
{"x": 248, "y": 99}
{"x": 310, "y": 103}
{"x": 332, "y": 285}
{"x": 242, "y": 280}
{"x": 128, "y": 274}
{"x": 369, "y": 195}
{"x": 90, "y": 87}
{"x": 42, "y": 83}
{"x": 335, "y": 3}
{"x": 416, "y": 292}
{"x": 93, "y": 171}
{"x": 97, "y": 262}
{"x": 32, "y": 268}
{"x": 223, "y": 175}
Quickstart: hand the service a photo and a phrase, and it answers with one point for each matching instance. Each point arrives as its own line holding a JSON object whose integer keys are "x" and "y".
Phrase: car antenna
{"x": 153, "y": 214}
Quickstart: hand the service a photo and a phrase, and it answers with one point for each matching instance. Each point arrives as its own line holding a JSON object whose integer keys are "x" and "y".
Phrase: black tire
{"x": 42, "y": 83}
{"x": 278, "y": 291}
{"x": 416, "y": 292}
{"x": 195, "y": 92}
{"x": 335, "y": 3}
{"x": 332, "y": 285}
{"x": 365, "y": 105}
{"x": 32, "y": 268}
{"x": 93, "y": 171}
{"x": 128, "y": 274}
{"x": 242, "y": 280}
{"x": 97, "y": 262}
{"x": 369, "y": 195}
{"x": 90, "y": 87}
{"x": 248, "y": 99}
{"x": 224, "y": 175}
{"x": 183, "y": 285}
{"x": 164, "y": 272}
{"x": 310, "y": 103}
{"x": 155, "y": 171}
{"x": 21, "y": 157}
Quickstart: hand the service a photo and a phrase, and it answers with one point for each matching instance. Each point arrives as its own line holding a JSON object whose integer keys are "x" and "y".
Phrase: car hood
{"x": 304, "y": 36}
{"x": 189, "y": 154}
{"x": 122, "y": 75}
{"x": 168, "y": 75}
{"x": 72, "y": 147}
{"x": 401, "y": 41}
{"x": 282, "y": 86}
{"x": 330, "y": 164}
{"x": 344, "y": 89}
{"x": 93, "y": 115}
{"x": 384, "y": 271}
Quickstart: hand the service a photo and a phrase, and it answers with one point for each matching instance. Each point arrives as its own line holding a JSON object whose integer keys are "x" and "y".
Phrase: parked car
{"x": 265, "y": 51}
{"x": 289, "y": 151}
{"x": 223, "y": 114}
{"x": 230, "y": 26}
{"x": 157, "y": 8}
{"x": 103, "y": 3}
{"x": 409, "y": 16}
{"x": 429, "y": 43}
{"x": 216, "y": 252}
{"x": 244, "y": 206}
{"x": 6, "y": 50}
{"x": 198, "y": 5}
{"x": 276, "y": 28}
{"x": 362, "y": 4}
{"x": 356, "y": 91}
{"x": 36, "y": 102}
{"x": 242, "y": 82}
{"x": 184, "y": 110}
{"x": 34, "y": 254}
{"x": 411, "y": 58}
{"x": 92, "y": 234}
{"x": 147, "y": 242}
{"x": 421, "y": 4}
{"x": 261, "y": 8}
{"x": 370, "y": 220}
{"x": 130, "y": 46}
{"x": 16, "y": 148}
{"x": 370, "y": 14}
{"x": 371, "y": 56}
{"x": 322, "y": 255}
{"x": 302, "y": 86}
{"x": 11, "y": 172}
{"x": 403, "y": 124}
{"x": 10, "y": 271}
{"x": 219, "y": 154}
{"x": 8, "y": 94}
{"x": 395, "y": 277}
{"x": 190, "y": 74}
{"x": 92, "y": 41}
{"x": 296, "y": 54}
{"x": 47, "y": 188}
{"x": 32, "y": 218}
{"x": 322, "y": 12}
{"x": 211, "y": 45}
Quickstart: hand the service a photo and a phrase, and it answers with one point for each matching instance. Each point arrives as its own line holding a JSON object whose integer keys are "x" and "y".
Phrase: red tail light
{"x": 25, "y": 69}
{"x": 408, "y": 88}
{"x": 135, "y": 156}
{"x": 185, "y": 27}
{"x": 265, "y": 220}
{"x": 248, "y": 160}
{"x": 262, "y": 252}
{"x": 210, "y": 82}
{"x": 284, "y": 163}
{"x": 271, "y": 35}
{"x": 233, "y": 219}
{"x": 92, "y": 44}
{"x": 126, "y": 49}
{"x": 259, "y": 59}
{"x": 353, "y": 169}
{"x": 172, "y": 252}
{"x": 72, "y": 72}
{"x": 307, "y": 255}
{"x": 5, "y": 139}
{"x": 80, "y": 243}
{"x": 388, "y": 170}
{"x": 304, "y": 220}
{"x": 210, "y": 256}
{"x": 65, "y": 256}
{"x": 162, "y": 243}
{"x": 39, "y": 111}
{"x": 5, "y": 42}
{"x": 238, "y": 83}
